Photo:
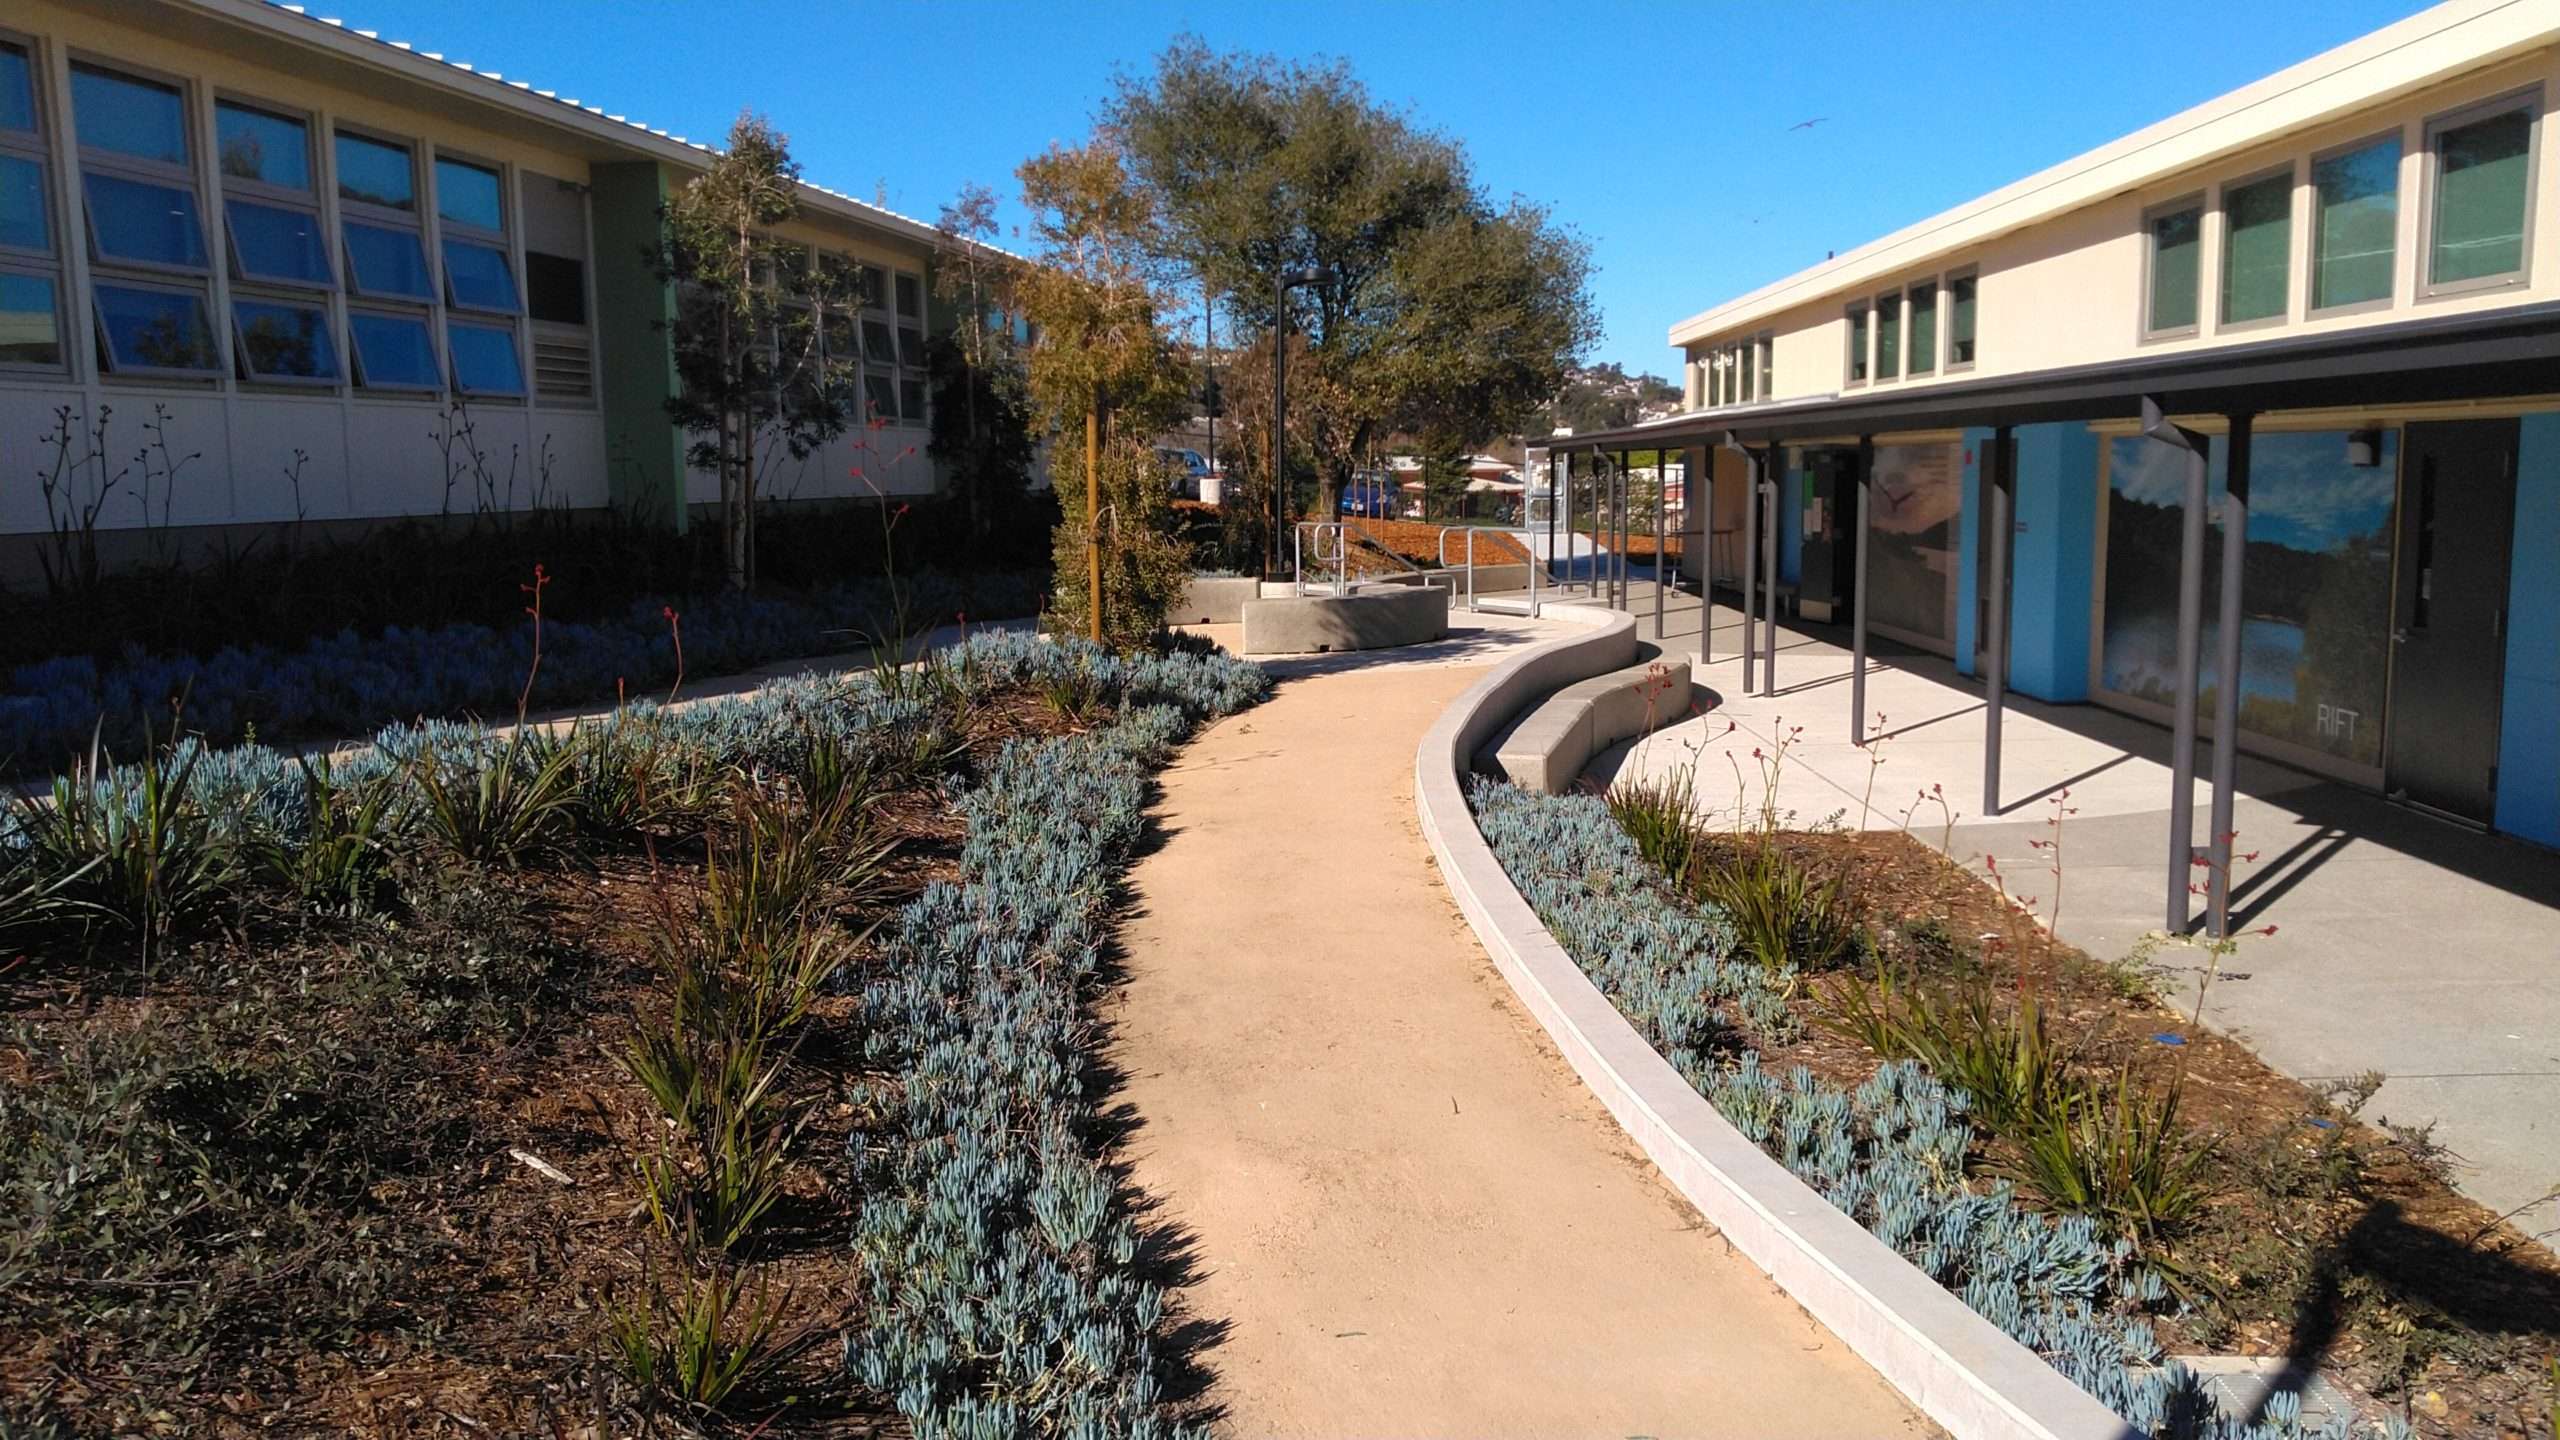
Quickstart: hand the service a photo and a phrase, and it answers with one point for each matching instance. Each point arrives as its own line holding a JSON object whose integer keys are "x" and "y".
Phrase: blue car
{"x": 1371, "y": 499}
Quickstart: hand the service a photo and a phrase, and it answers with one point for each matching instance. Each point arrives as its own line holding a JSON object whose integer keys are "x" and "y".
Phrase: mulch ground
{"x": 515, "y": 1271}
{"x": 2393, "y": 1280}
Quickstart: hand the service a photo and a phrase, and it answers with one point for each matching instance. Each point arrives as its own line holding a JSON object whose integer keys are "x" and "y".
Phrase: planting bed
{"x": 2316, "y": 1232}
{"x": 744, "y": 1083}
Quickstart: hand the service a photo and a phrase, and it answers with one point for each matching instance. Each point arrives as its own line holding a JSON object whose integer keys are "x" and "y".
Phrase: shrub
{"x": 2005, "y": 1059}
{"x": 2117, "y": 1152}
{"x": 1784, "y": 915}
{"x": 335, "y": 858}
{"x": 1001, "y": 1256}
{"x": 128, "y": 843}
{"x": 1660, "y": 815}
{"x": 496, "y": 802}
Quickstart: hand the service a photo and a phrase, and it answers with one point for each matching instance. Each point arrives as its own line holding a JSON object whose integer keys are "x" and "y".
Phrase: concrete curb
{"x": 1955, "y": 1366}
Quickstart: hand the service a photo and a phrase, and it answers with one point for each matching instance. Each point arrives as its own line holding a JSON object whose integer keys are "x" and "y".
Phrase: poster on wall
{"x": 2315, "y": 586}
{"x": 1912, "y": 512}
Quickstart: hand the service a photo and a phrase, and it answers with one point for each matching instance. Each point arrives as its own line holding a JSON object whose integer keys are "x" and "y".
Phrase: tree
{"x": 753, "y": 374}
{"x": 1104, "y": 379}
{"x": 1438, "y": 313}
{"x": 981, "y": 414}
{"x": 1606, "y": 397}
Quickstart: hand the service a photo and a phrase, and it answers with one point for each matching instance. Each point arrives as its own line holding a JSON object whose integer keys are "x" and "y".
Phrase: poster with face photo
{"x": 1912, "y": 513}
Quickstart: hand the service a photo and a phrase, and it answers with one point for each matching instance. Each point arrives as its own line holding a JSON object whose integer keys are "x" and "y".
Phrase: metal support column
{"x": 2000, "y": 469}
{"x": 1661, "y": 540}
{"x": 1858, "y": 599}
{"x": 2182, "y": 733}
{"x": 1618, "y": 533}
{"x": 1750, "y": 562}
{"x": 2226, "y": 676}
{"x": 1772, "y": 484}
{"x": 1699, "y": 489}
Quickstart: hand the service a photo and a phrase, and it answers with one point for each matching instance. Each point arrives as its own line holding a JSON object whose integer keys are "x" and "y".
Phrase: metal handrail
{"x": 1298, "y": 554}
{"x": 1469, "y": 553}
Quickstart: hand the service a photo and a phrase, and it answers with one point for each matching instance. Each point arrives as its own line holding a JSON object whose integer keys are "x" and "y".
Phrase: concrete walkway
{"x": 2403, "y": 945}
{"x": 1408, "y": 1213}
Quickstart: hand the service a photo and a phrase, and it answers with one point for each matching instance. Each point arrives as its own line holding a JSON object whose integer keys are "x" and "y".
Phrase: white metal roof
{"x": 294, "y": 24}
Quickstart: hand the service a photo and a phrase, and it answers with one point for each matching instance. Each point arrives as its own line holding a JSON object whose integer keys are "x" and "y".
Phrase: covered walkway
{"x": 2403, "y": 944}
{"x": 1405, "y": 1211}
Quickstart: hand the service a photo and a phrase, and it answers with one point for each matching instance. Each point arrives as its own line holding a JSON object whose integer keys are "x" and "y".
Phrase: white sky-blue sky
{"x": 1660, "y": 131}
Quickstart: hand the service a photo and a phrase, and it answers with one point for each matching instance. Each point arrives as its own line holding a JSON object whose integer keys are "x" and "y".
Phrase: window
{"x": 152, "y": 329}
{"x": 1960, "y": 308}
{"x": 136, "y": 222}
{"x": 283, "y": 342}
{"x": 2257, "y": 248}
{"x": 881, "y": 394}
{"x": 386, "y": 262}
{"x": 484, "y": 359}
{"x": 1857, "y": 344}
{"x": 2355, "y": 221}
{"x": 30, "y": 327}
{"x": 267, "y": 149}
{"x": 1924, "y": 327}
{"x": 467, "y": 194}
{"x": 2173, "y": 268}
{"x": 390, "y": 264}
{"x": 1768, "y": 344}
{"x": 477, "y": 278}
{"x": 2480, "y": 165}
{"x": 1750, "y": 375}
{"x": 393, "y": 352}
{"x": 1889, "y": 336}
{"x": 30, "y": 263}
{"x": 137, "y": 185}
{"x": 276, "y": 244}
{"x": 375, "y": 172}
{"x": 272, "y": 216}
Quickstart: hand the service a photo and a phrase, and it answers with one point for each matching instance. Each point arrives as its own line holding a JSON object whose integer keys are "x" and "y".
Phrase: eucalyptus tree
{"x": 1435, "y": 313}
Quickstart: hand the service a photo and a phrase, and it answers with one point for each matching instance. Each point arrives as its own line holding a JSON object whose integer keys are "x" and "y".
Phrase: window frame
{"x": 247, "y": 369}
{"x": 453, "y": 363}
{"x": 51, "y": 277}
{"x": 2200, "y": 202}
{"x": 251, "y": 191}
{"x": 1764, "y": 354}
{"x": 2431, "y": 191}
{"x": 1947, "y": 282}
{"x": 2296, "y": 178}
{"x": 109, "y": 367}
{"x": 1893, "y": 297}
{"x": 911, "y": 367}
{"x": 2312, "y": 309}
{"x": 1913, "y": 367}
{"x": 451, "y": 232}
{"x": 47, "y": 265}
{"x": 1858, "y": 346}
{"x": 361, "y": 387}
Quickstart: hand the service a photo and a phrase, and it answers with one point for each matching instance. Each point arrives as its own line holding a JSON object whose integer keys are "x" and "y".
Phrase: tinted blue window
{"x": 154, "y": 329}
{"x": 468, "y": 195}
{"x": 128, "y": 116}
{"x": 17, "y": 90}
{"x": 270, "y": 242}
{"x": 388, "y": 262}
{"x": 392, "y": 350}
{"x": 479, "y": 277}
{"x": 22, "y": 207}
{"x": 30, "y": 331}
{"x": 484, "y": 360}
{"x": 285, "y": 341}
{"x": 137, "y": 220}
{"x": 254, "y": 145}
{"x": 375, "y": 173}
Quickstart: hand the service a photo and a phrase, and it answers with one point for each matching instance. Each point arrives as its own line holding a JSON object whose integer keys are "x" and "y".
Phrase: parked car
{"x": 1184, "y": 470}
{"x": 1371, "y": 498}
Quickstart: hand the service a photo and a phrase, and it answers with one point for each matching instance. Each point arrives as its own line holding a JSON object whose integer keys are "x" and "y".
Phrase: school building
{"x": 2269, "y": 390}
{"x": 290, "y": 247}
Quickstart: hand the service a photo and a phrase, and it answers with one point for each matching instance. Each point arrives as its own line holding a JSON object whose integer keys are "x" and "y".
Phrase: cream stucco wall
{"x": 2068, "y": 290}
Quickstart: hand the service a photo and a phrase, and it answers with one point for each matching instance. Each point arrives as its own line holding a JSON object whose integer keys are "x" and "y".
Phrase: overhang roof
{"x": 2429, "y": 359}
{"x": 2436, "y": 44}
{"x": 450, "y": 84}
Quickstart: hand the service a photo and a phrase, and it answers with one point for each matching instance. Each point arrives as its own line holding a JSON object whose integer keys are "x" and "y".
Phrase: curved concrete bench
{"x": 1547, "y": 745}
{"x": 1957, "y": 1367}
{"x": 1362, "y": 620}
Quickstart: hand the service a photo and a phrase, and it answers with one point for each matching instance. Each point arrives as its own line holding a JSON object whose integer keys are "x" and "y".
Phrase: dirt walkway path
{"x": 1412, "y": 1215}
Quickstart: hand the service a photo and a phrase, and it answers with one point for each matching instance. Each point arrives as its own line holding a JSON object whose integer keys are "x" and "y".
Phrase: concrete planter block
{"x": 1215, "y": 599}
{"x": 1364, "y": 620}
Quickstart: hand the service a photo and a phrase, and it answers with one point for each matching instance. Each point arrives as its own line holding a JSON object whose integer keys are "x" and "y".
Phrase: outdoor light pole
{"x": 1289, "y": 280}
{"x": 1209, "y": 360}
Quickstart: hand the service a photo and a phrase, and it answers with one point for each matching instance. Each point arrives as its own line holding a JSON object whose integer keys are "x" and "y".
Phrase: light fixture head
{"x": 2364, "y": 448}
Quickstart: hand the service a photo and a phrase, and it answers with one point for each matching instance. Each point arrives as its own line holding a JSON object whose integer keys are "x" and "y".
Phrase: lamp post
{"x": 1288, "y": 280}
